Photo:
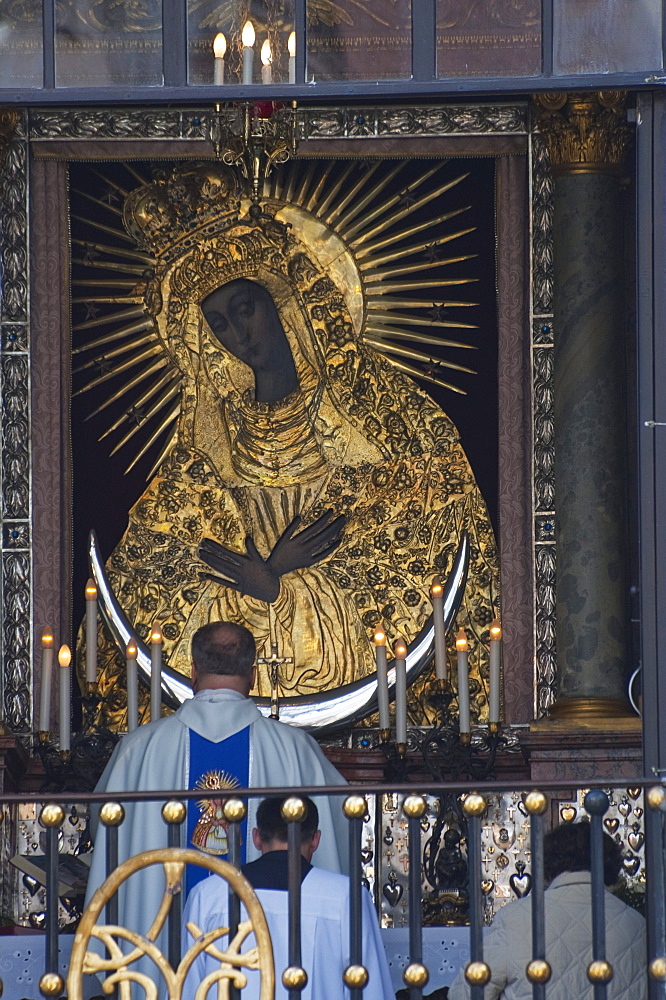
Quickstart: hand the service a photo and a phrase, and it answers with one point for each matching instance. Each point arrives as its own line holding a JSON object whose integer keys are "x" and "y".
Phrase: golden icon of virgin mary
{"x": 312, "y": 490}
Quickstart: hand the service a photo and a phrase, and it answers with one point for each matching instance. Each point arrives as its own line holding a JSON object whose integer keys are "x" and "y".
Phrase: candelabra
{"x": 79, "y": 768}
{"x": 254, "y": 138}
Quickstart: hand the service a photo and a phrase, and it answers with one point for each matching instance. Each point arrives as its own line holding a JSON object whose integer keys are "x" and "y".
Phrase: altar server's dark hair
{"x": 223, "y": 648}
{"x": 272, "y": 826}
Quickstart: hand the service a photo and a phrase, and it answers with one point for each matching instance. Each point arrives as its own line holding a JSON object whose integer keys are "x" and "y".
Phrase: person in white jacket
{"x": 507, "y": 947}
{"x": 324, "y": 917}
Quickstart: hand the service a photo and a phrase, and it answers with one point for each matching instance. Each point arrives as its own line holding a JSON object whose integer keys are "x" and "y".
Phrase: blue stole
{"x": 214, "y": 767}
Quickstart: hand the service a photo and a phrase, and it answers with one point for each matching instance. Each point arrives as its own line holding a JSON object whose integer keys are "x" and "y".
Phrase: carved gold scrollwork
{"x": 121, "y": 968}
{"x": 584, "y": 133}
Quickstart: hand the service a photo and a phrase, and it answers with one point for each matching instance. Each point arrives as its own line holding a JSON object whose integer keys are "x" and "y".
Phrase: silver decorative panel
{"x": 15, "y": 497}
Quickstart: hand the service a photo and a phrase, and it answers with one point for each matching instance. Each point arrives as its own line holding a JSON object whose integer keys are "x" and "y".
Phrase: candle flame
{"x": 91, "y": 591}
{"x": 380, "y": 638}
{"x": 220, "y": 45}
{"x": 291, "y": 44}
{"x": 436, "y": 588}
{"x": 64, "y": 656}
{"x": 400, "y": 649}
{"x": 247, "y": 35}
{"x": 266, "y": 54}
{"x": 156, "y": 635}
{"x": 496, "y": 630}
{"x": 47, "y": 638}
{"x": 461, "y": 641}
{"x": 132, "y": 651}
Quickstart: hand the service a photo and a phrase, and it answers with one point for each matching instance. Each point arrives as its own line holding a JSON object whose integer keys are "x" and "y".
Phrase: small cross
{"x": 273, "y": 662}
{"x": 487, "y": 861}
{"x": 404, "y": 861}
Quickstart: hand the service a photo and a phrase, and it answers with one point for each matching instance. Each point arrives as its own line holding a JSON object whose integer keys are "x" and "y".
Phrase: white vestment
{"x": 324, "y": 938}
{"x": 155, "y": 757}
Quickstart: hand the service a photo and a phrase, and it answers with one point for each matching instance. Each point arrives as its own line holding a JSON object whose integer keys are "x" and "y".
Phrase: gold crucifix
{"x": 274, "y": 662}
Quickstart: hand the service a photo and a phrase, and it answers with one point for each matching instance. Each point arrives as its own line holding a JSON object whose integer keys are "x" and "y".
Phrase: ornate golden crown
{"x": 182, "y": 208}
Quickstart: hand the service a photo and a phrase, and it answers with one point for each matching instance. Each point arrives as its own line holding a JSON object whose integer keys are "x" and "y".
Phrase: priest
{"x": 216, "y": 741}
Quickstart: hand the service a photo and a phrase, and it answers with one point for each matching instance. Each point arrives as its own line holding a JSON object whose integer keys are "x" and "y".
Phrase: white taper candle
{"x": 155, "y": 673}
{"x": 91, "y": 632}
{"x": 462, "y": 651}
{"x": 131, "y": 653}
{"x": 46, "y": 678}
{"x": 65, "y": 702}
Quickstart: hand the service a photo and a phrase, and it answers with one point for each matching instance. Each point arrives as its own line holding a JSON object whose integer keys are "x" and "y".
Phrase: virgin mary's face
{"x": 243, "y": 317}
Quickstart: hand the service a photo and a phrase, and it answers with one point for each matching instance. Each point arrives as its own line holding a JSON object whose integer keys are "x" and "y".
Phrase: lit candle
{"x": 400, "y": 653}
{"x": 462, "y": 650}
{"x": 219, "y": 51}
{"x": 291, "y": 47}
{"x": 382, "y": 682}
{"x": 155, "y": 673}
{"x": 266, "y": 62}
{"x": 247, "y": 37}
{"x": 64, "y": 659}
{"x": 132, "y": 686}
{"x": 91, "y": 632}
{"x": 47, "y": 671}
{"x": 495, "y": 658}
{"x": 437, "y": 594}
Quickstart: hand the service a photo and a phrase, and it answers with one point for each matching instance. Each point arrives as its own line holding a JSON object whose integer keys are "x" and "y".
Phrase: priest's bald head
{"x": 223, "y": 655}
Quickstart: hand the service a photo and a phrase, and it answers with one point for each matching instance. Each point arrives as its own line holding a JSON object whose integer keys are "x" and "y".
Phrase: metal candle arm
{"x": 320, "y": 713}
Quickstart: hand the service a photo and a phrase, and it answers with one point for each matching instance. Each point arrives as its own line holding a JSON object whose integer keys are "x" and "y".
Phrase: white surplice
{"x": 155, "y": 757}
{"x": 324, "y": 938}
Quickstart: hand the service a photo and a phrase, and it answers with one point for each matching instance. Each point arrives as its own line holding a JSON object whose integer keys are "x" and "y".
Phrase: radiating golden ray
{"x": 104, "y": 320}
{"x": 409, "y": 352}
{"x": 120, "y": 233}
{"x": 360, "y": 203}
{"x": 141, "y": 178}
{"x": 164, "y": 451}
{"x": 418, "y": 227}
{"x": 166, "y": 380}
{"x": 292, "y": 181}
{"x": 98, "y": 201}
{"x": 110, "y": 266}
{"x": 302, "y": 192}
{"x": 362, "y": 237}
{"x": 170, "y": 418}
{"x": 377, "y": 313}
{"x": 420, "y": 265}
{"x": 112, "y": 184}
{"x": 387, "y": 287}
{"x": 335, "y": 190}
{"x": 388, "y": 303}
{"x": 419, "y": 373}
{"x": 133, "y": 382}
{"x": 344, "y": 224}
{"x": 101, "y": 341}
{"x": 105, "y": 248}
{"x": 113, "y": 300}
{"x": 158, "y": 405}
{"x": 121, "y": 368}
{"x": 104, "y": 283}
{"x": 368, "y": 259}
{"x": 418, "y": 338}
{"x": 123, "y": 348}
{"x": 314, "y": 198}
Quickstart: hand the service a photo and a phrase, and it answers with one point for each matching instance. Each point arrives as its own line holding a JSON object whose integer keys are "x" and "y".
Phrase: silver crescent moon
{"x": 321, "y": 713}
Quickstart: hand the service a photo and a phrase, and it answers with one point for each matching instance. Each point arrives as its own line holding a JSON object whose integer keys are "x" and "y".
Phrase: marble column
{"x": 586, "y": 136}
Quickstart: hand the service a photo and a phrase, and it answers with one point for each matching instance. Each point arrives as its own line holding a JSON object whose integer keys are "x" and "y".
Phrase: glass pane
{"x": 264, "y": 59}
{"x": 20, "y": 43}
{"x": 488, "y": 38}
{"x": 105, "y": 42}
{"x": 606, "y": 36}
{"x": 359, "y": 40}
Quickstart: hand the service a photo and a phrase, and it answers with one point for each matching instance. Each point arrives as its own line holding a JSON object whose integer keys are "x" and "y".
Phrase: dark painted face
{"x": 243, "y": 317}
